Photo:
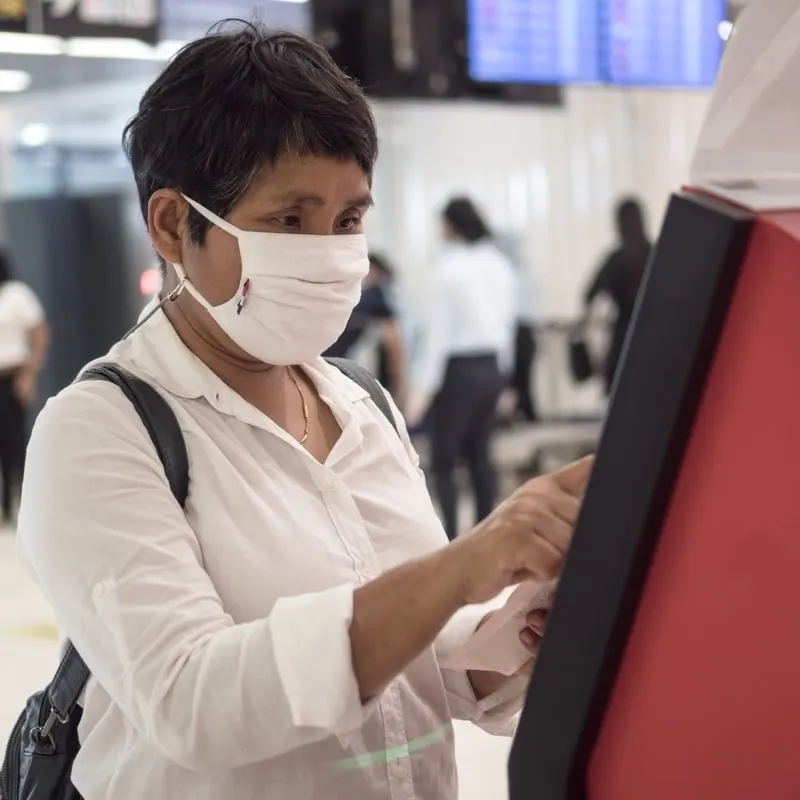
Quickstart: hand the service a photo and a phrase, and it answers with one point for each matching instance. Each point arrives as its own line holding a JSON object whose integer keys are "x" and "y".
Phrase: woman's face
{"x": 297, "y": 195}
{"x": 311, "y": 195}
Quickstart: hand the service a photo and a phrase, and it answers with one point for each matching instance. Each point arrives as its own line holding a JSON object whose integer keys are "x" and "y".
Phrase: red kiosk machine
{"x": 671, "y": 665}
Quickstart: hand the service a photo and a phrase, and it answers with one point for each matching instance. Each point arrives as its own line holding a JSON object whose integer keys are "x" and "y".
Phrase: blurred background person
{"x": 522, "y": 376}
{"x": 465, "y": 358}
{"x": 619, "y": 278}
{"x": 23, "y": 346}
{"x": 377, "y": 314}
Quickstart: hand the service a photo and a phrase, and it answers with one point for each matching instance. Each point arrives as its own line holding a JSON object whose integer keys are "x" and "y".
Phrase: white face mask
{"x": 295, "y": 294}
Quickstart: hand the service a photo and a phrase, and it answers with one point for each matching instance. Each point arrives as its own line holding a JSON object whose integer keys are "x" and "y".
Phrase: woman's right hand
{"x": 527, "y": 536}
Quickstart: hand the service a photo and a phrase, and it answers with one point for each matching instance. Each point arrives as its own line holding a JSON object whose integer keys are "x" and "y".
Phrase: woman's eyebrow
{"x": 300, "y": 197}
{"x": 364, "y": 201}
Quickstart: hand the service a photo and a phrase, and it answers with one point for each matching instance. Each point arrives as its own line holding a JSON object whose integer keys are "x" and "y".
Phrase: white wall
{"x": 549, "y": 174}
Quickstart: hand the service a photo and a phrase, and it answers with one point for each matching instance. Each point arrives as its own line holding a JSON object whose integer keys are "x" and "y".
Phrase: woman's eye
{"x": 290, "y": 221}
{"x": 349, "y": 223}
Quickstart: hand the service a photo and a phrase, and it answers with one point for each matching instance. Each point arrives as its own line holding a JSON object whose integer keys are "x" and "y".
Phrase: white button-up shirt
{"x": 218, "y": 638}
{"x": 471, "y": 310}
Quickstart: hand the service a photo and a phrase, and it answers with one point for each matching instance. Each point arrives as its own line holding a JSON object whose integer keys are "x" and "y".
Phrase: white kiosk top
{"x": 749, "y": 148}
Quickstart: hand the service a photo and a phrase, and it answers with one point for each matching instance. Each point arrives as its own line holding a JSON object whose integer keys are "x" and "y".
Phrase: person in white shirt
{"x": 465, "y": 358}
{"x": 23, "y": 347}
{"x": 284, "y": 635}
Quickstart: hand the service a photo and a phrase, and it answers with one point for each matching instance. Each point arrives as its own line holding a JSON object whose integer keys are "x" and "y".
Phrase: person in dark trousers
{"x": 524, "y": 360}
{"x": 466, "y": 358}
{"x": 376, "y": 310}
{"x": 23, "y": 345}
{"x": 525, "y": 336}
{"x": 619, "y": 278}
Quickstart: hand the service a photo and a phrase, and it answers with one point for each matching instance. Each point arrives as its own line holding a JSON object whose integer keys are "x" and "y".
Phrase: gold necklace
{"x": 304, "y": 439}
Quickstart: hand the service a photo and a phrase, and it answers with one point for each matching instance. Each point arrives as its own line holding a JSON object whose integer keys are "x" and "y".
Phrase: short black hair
{"x": 465, "y": 220}
{"x": 235, "y": 101}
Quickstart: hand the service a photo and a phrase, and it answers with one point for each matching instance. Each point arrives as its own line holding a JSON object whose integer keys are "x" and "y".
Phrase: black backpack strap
{"x": 159, "y": 420}
{"x": 66, "y": 687}
{"x": 72, "y": 675}
{"x": 363, "y": 377}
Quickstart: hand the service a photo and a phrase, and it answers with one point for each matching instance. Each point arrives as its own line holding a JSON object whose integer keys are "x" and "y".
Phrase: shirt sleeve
{"x": 115, "y": 556}
{"x": 496, "y": 714}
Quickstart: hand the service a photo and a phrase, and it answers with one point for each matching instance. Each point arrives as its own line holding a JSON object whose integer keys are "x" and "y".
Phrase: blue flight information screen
{"x": 662, "y": 42}
{"x": 533, "y": 41}
{"x": 669, "y": 43}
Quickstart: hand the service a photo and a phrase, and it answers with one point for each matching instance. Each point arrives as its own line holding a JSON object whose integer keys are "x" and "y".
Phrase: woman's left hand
{"x": 531, "y": 636}
{"x": 487, "y": 683}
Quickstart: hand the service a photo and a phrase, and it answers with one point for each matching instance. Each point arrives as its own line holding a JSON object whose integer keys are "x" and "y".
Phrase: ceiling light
{"x": 35, "y": 134}
{"x": 30, "y": 44}
{"x": 724, "y": 29}
{"x": 14, "y": 80}
{"x": 85, "y": 47}
{"x": 133, "y": 49}
{"x": 168, "y": 48}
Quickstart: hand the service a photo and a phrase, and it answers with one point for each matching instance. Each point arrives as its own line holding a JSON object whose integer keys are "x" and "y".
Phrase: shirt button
{"x": 399, "y": 769}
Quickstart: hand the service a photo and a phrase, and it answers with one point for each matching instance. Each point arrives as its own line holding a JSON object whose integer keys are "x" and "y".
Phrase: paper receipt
{"x": 495, "y": 646}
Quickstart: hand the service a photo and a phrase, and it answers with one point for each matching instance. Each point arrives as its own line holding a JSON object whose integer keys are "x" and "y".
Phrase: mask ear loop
{"x": 175, "y": 293}
{"x": 171, "y": 297}
{"x": 222, "y": 224}
{"x": 182, "y": 277}
{"x": 231, "y": 230}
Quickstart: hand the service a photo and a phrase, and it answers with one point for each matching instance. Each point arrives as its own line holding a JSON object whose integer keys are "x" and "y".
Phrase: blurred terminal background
{"x": 545, "y": 114}
{"x": 554, "y": 130}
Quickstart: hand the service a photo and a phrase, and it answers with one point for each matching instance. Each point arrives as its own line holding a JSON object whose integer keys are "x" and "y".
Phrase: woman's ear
{"x": 167, "y": 215}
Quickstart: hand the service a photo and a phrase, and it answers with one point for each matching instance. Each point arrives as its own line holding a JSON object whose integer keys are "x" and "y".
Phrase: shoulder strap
{"x": 367, "y": 382}
{"x": 72, "y": 675}
{"x": 159, "y": 420}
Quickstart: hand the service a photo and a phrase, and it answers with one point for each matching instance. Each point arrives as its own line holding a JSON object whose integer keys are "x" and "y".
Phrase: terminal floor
{"x": 28, "y": 651}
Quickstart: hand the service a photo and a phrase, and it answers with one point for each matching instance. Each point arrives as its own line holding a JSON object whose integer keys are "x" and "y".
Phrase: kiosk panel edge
{"x": 706, "y": 704}
{"x": 673, "y": 338}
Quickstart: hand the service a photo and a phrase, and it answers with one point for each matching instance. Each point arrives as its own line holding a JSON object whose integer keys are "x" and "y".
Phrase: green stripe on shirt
{"x": 376, "y": 757}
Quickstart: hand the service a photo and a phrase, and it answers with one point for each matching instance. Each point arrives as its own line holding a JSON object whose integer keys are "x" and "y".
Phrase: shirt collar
{"x": 160, "y": 354}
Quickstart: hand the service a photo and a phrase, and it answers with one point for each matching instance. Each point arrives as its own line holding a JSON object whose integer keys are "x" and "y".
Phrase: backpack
{"x": 44, "y": 742}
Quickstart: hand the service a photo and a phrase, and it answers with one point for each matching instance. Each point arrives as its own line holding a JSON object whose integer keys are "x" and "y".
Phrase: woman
{"x": 619, "y": 278}
{"x": 23, "y": 346}
{"x": 466, "y": 357}
{"x": 282, "y": 635}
